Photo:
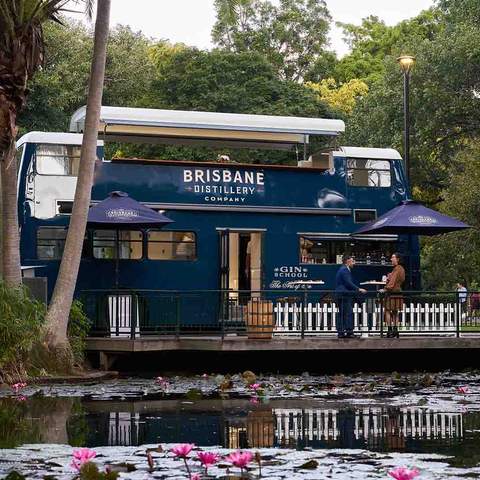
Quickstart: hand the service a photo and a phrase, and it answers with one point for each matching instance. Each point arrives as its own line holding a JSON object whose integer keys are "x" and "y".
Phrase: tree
{"x": 293, "y": 36}
{"x": 221, "y": 81}
{"x": 444, "y": 102}
{"x": 21, "y": 54}
{"x": 60, "y": 87}
{"x": 60, "y": 304}
{"x": 341, "y": 98}
{"x": 372, "y": 41}
{"x": 450, "y": 258}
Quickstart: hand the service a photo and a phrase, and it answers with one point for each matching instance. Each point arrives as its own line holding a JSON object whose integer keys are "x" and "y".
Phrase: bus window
{"x": 327, "y": 251}
{"x": 129, "y": 244}
{"x": 57, "y": 159}
{"x": 51, "y": 242}
{"x": 364, "y": 172}
{"x": 164, "y": 245}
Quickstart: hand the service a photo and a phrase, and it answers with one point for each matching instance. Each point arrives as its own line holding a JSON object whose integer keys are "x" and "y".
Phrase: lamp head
{"x": 406, "y": 63}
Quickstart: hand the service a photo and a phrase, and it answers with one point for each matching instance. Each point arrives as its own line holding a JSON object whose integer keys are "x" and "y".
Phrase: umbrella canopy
{"x": 120, "y": 211}
{"x": 412, "y": 218}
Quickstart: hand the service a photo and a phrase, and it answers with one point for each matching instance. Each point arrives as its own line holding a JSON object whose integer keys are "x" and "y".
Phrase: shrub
{"x": 21, "y": 320}
{"x": 78, "y": 327}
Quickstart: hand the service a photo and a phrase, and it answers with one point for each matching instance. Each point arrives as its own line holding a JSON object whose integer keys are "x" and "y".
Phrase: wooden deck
{"x": 243, "y": 344}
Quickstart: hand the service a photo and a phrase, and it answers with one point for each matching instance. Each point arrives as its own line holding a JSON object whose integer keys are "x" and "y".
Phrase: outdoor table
{"x": 305, "y": 283}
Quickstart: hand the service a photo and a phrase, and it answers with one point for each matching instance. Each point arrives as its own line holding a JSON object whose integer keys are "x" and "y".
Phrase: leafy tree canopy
{"x": 291, "y": 35}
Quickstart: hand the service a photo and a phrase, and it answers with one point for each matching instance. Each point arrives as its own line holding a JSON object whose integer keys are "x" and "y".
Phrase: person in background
{"x": 462, "y": 295}
{"x": 394, "y": 303}
{"x": 344, "y": 289}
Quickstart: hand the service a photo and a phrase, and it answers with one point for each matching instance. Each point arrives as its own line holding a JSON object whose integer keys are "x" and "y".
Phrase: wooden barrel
{"x": 260, "y": 319}
{"x": 260, "y": 429}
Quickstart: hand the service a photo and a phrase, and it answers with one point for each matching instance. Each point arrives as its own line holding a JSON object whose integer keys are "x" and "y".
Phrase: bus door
{"x": 241, "y": 260}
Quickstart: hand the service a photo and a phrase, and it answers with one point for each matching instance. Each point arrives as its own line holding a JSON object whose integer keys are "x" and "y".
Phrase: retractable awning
{"x": 146, "y": 125}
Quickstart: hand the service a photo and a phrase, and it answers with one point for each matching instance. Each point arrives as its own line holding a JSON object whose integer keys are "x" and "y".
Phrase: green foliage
{"x": 90, "y": 471}
{"x": 444, "y": 105}
{"x": 292, "y": 35}
{"x": 191, "y": 79}
{"x": 60, "y": 87}
{"x": 15, "y": 426}
{"x": 78, "y": 328}
{"x": 454, "y": 257}
{"x": 341, "y": 98}
{"x": 373, "y": 41}
{"x": 21, "y": 320}
{"x": 22, "y": 349}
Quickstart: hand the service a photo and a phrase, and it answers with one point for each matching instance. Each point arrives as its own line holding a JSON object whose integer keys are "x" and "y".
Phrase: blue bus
{"x": 237, "y": 226}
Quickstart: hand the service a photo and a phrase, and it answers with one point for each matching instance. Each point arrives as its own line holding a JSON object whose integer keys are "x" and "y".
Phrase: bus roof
{"x": 210, "y": 128}
{"x": 52, "y": 138}
{"x": 366, "y": 152}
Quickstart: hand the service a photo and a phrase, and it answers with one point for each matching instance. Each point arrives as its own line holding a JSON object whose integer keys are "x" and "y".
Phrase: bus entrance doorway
{"x": 241, "y": 264}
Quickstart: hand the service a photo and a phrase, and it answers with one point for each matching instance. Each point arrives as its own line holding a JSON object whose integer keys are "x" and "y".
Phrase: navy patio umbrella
{"x": 118, "y": 212}
{"x": 412, "y": 218}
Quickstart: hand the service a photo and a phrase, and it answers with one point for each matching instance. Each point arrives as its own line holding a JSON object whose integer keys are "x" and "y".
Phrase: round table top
{"x": 373, "y": 282}
{"x": 308, "y": 282}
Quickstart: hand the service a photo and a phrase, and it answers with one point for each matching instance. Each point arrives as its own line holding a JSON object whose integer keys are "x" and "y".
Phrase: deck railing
{"x": 269, "y": 313}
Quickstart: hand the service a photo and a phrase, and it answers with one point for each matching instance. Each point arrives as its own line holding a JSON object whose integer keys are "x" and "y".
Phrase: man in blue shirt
{"x": 345, "y": 289}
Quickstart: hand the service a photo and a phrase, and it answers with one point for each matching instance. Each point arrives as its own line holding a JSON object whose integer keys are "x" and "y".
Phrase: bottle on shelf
{"x": 368, "y": 259}
{"x": 383, "y": 260}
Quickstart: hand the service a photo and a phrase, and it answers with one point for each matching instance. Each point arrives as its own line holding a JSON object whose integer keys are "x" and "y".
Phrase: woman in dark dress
{"x": 393, "y": 302}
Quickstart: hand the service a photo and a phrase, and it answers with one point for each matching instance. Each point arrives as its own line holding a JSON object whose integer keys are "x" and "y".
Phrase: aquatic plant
{"x": 403, "y": 473}
{"x": 258, "y": 459}
{"x": 16, "y": 387}
{"x": 239, "y": 459}
{"x": 463, "y": 390}
{"x": 255, "y": 387}
{"x": 207, "y": 459}
{"x": 182, "y": 451}
{"x": 82, "y": 456}
{"x": 162, "y": 382}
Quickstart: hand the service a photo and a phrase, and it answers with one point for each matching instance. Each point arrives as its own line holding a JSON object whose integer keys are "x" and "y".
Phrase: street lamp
{"x": 406, "y": 64}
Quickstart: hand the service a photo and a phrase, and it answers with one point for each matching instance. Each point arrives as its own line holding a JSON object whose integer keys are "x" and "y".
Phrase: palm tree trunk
{"x": 11, "y": 271}
{"x": 59, "y": 308}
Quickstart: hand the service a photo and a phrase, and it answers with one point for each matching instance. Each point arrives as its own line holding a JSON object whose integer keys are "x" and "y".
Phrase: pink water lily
{"x": 195, "y": 476}
{"x": 255, "y": 386}
{"x": 16, "y": 387}
{"x": 463, "y": 390}
{"x": 182, "y": 450}
{"x": 207, "y": 459}
{"x": 239, "y": 459}
{"x": 403, "y": 473}
{"x": 82, "y": 456}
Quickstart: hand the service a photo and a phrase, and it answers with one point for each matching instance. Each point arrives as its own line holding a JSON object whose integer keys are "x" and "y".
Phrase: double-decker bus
{"x": 237, "y": 226}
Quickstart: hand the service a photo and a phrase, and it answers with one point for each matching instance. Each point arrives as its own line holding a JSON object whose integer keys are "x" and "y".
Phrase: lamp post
{"x": 406, "y": 64}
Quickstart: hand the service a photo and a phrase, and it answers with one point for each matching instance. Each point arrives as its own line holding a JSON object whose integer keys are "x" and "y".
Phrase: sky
{"x": 191, "y": 21}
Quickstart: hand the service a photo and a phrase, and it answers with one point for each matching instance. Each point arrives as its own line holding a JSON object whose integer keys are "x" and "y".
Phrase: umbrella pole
{"x": 410, "y": 264}
{"x": 117, "y": 259}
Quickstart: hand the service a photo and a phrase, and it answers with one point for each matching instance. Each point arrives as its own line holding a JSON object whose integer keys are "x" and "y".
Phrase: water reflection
{"x": 237, "y": 424}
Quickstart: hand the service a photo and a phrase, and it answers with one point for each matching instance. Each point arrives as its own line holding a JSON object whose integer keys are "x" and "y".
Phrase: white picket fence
{"x": 373, "y": 422}
{"x": 120, "y": 315}
{"x": 320, "y": 318}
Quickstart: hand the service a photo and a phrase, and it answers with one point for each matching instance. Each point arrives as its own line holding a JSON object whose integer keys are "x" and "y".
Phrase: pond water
{"x": 353, "y": 427}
